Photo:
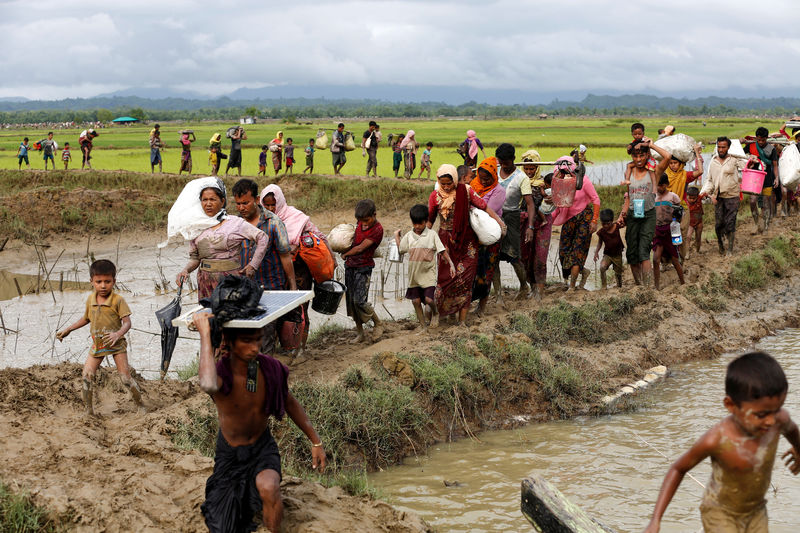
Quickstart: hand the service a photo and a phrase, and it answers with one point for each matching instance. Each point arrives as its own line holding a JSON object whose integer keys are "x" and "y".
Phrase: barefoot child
{"x": 262, "y": 161}
{"x": 742, "y": 448}
{"x": 695, "y": 202}
{"x": 426, "y": 160}
{"x": 358, "y": 269}
{"x": 309, "y": 150}
{"x": 666, "y": 201}
{"x": 608, "y": 235}
{"x": 66, "y": 156}
{"x": 423, "y": 246}
{"x": 288, "y": 151}
{"x": 247, "y": 387}
{"x": 110, "y": 320}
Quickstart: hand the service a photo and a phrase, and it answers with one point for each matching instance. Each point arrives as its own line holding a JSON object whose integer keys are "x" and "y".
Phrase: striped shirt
{"x": 270, "y": 274}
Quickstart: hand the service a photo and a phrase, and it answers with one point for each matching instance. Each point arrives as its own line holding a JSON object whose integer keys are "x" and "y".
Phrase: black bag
{"x": 234, "y": 297}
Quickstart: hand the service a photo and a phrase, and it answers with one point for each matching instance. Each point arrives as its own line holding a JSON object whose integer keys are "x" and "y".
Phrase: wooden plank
{"x": 549, "y": 511}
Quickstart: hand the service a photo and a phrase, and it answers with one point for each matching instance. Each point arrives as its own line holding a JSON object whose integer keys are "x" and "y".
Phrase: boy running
{"x": 742, "y": 449}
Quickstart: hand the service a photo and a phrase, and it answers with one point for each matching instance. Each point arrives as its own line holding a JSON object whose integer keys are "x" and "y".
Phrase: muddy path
{"x": 123, "y": 472}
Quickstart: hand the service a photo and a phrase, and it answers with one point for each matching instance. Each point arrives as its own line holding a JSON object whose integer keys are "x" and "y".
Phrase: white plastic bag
{"x": 349, "y": 143}
{"x": 681, "y": 146}
{"x": 321, "y": 142}
{"x": 485, "y": 227}
{"x": 186, "y": 217}
{"x": 340, "y": 238}
{"x": 789, "y": 167}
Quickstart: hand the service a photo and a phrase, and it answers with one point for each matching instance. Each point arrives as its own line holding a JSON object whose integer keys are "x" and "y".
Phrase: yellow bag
{"x": 321, "y": 143}
{"x": 349, "y": 143}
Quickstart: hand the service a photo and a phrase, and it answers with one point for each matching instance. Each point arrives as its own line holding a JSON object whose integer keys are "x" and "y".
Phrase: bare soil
{"x": 122, "y": 472}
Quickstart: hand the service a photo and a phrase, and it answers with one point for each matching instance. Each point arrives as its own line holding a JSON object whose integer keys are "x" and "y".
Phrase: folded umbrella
{"x": 169, "y": 333}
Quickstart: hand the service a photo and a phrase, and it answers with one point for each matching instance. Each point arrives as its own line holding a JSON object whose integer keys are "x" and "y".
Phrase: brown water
{"x": 599, "y": 463}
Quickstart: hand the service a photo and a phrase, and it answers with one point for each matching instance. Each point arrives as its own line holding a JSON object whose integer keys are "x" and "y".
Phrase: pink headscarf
{"x": 473, "y": 146}
{"x": 407, "y": 139}
{"x": 294, "y": 219}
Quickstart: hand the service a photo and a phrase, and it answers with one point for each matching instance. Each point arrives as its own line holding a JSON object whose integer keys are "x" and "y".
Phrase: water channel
{"x": 602, "y": 464}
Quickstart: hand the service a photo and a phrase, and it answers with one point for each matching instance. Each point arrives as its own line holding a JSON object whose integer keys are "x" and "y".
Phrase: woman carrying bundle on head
{"x": 452, "y": 203}
{"x": 578, "y": 222}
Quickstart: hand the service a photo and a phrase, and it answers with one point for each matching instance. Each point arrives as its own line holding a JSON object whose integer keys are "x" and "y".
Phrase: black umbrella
{"x": 169, "y": 333}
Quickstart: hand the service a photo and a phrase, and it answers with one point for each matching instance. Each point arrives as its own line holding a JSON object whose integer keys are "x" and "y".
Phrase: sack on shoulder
{"x": 349, "y": 143}
{"x": 321, "y": 142}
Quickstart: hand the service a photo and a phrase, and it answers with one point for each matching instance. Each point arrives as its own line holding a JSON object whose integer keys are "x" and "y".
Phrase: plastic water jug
{"x": 675, "y": 231}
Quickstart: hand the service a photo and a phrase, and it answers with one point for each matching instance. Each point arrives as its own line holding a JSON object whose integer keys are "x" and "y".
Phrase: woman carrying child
{"x": 639, "y": 208}
{"x": 452, "y": 202}
{"x": 578, "y": 222}
{"x": 534, "y": 252}
{"x": 276, "y": 147}
{"x": 217, "y": 250}
{"x": 409, "y": 147}
{"x": 487, "y": 186}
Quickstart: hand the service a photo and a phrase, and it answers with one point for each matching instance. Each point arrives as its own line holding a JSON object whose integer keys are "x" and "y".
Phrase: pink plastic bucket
{"x": 563, "y": 191}
{"x": 753, "y": 180}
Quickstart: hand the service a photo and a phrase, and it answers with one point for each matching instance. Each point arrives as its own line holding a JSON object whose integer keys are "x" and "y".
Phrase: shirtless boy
{"x": 247, "y": 466}
{"x": 742, "y": 448}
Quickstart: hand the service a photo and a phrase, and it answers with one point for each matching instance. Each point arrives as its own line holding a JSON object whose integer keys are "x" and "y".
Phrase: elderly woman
{"x": 578, "y": 222}
{"x": 409, "y": 147}
{"x": 486, "y": 186}
{"x": 297, "y": 224}
{"x": 534, "y": 250}
{"x": 639, "y": 209}
{"x": 452, "y": 202}
{"x": 217, "y": 250}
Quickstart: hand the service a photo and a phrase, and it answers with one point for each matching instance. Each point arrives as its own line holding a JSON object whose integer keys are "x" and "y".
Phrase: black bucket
{"x": 327, "y": 297}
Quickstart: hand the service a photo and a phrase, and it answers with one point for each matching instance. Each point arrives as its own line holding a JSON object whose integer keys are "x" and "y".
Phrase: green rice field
{"x": 126, "y": 147}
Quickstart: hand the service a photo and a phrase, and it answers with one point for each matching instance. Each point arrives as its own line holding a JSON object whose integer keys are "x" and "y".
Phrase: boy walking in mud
{"x": 608, "y": 236}
{"x": 358, "y": 267}
{"x": 423, "y": 246}
{"x": 742, "y": 448}
{"x": 247, "y": 387}
{"x": 110, "y": 320}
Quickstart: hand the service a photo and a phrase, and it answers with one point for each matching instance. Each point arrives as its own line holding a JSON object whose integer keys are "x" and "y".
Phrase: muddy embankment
{"x": 375, "y": 403}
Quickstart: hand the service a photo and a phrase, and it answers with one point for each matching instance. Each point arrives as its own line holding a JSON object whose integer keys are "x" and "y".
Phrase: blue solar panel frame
{"x": 274, "y": 303}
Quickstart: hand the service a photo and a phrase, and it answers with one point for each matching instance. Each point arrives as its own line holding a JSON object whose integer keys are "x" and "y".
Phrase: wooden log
{"x": 549, "y": 511}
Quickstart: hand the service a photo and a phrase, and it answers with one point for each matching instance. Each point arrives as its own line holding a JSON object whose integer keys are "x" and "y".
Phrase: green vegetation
{"x": 125, "y": 148}
{"x": 756, "y": 269}
{"x": 189, "y": 371}
{"x": 710, "y": 295}
{"x": 18, "y": 514}
{"x": 593, "y": 322}
{"x": 199, "y": 432}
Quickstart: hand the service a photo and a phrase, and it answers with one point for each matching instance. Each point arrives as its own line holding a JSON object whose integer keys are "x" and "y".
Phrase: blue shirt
{"x": 270, "y": 274}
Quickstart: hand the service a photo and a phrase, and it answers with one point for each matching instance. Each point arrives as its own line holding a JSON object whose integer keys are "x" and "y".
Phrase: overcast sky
{"x": 56, "y": 49}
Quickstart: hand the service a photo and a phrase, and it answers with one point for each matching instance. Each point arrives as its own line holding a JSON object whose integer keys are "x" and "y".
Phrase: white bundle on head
{"x": 186, "y": 217}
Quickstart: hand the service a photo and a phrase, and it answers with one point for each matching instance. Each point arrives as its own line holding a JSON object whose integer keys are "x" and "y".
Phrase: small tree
{"x": 137, "y": 113}
{"x": 251, "y": 111}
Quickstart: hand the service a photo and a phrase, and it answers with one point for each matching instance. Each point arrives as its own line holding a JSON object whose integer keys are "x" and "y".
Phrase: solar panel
{"x": 274, "y": 303}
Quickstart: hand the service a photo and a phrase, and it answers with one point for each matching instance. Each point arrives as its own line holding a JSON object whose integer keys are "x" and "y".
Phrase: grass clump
{"x": 754, "y": 270}
{"x": 592, "y": 322}
{"x": 189, "y": 371}
{"x": 321, "y": 334}
{"x": 198, "y": 432}
{"x": 19, "y": 514}
{"x": 358, "y": 426}
{"x": 711, "y": 295}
